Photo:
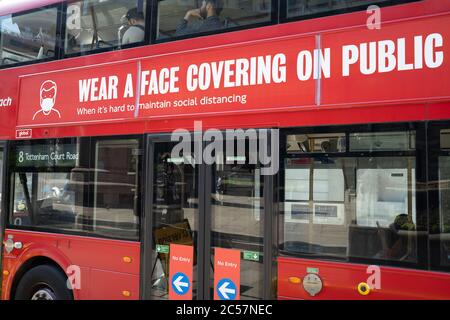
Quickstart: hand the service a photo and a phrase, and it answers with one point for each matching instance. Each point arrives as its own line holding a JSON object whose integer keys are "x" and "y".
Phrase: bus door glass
{"x": 439, "y": 195}
{"x": 205, "y": 229}
{"x": 237, "y": 222}
{"x": 174, "y": 215}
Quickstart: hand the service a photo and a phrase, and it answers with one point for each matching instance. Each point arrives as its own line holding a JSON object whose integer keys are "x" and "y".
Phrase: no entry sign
{"x": 227, "y": 274}
{"x": 180, "y": 271}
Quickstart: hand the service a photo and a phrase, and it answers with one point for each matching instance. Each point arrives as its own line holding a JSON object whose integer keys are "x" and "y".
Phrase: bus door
{"x": 210, "y": 221}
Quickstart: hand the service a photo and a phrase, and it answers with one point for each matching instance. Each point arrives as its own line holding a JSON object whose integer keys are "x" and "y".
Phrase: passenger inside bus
{"x": 136, "y": 27}
{"x": 394, "y": 242}
{"x": 208, "y": 14}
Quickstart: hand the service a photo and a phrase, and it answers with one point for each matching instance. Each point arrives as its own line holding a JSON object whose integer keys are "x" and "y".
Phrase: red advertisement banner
{"x": 403, "y": 61}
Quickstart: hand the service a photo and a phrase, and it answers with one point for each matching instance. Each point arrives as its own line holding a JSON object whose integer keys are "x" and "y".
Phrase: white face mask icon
{"x": 47, "y": 104}
{"x": 47, "y": 100}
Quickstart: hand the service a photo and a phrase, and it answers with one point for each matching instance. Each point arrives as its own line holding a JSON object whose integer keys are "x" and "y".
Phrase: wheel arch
{"x": 30, "y": 264}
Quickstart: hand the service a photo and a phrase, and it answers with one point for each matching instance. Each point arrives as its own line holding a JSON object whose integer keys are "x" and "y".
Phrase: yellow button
{"x": 294, "y": 280}
{"x": 126, "y": 293}
{"x": 127, "y": 259}
{"x": 5, "y": 273}
{"x": 363, "y": 289}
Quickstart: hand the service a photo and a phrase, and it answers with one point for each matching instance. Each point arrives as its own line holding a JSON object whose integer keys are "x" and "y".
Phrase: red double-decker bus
{"x": 227, "y": 150}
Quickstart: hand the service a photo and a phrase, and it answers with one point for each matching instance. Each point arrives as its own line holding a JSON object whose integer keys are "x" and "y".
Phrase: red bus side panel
{"x": 341, "y": 280}
{"x": 109, "y": 269}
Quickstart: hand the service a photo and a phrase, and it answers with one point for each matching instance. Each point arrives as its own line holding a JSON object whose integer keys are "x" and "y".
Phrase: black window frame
{"x": 434, "y": 152}
{"x": 284, "y": 10}
{"x": 4, "y": 198}
{"x": 274, "y": 20}
{"x": 420, "y": 155}
{"x": 88, "y": 200}
{"x": 58, "y": 42}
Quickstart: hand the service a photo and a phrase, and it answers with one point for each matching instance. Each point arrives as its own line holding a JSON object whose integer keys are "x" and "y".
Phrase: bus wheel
{"x": 43, "y": 282}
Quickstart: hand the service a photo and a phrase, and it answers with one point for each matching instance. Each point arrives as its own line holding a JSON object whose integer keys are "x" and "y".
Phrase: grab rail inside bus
{"x": 4, "y": 60}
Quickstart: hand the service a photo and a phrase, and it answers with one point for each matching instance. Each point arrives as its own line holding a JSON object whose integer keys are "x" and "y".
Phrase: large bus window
{"x": 49, "y": 185}
{"x": 28, "y": 37}
{"x": 77, "y": 185}
{"x": 181, "y": 18}
{"x": 116, "y": 190}
{"x": 441, "y": 228}
{"x": 347, "y": 204}
{"x": 102, "y": 24}
{"x": 304, "y": 8}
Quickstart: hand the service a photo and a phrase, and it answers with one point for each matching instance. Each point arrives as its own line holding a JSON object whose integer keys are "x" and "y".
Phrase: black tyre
{"x": 43, "y": 282}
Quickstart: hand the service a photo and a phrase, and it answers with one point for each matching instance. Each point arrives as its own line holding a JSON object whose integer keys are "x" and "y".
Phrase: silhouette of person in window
{"x": 208, "y": 14}
{"x": 394, "y": 245}
{"x": 136, "y": 30}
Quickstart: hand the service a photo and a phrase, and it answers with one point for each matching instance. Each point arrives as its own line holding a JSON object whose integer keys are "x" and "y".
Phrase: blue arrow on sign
{"x": 180, "y": 283}
{"x": 226, "y": 289}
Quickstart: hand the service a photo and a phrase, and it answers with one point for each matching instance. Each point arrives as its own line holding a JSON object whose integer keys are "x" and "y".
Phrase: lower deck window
{"x": 351, "y": 204}
{"x": 61, "y": 185}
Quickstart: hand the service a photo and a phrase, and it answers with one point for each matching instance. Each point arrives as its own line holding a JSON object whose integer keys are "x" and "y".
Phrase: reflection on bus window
{"x": 383, "y": 141}
{"x": 48, "y": 185}
{"x": 184, "y": 17}
{"x": 55, "y": 187}
{"x": 97, "y": 24}
{"x": 236, "y": 220}
{"x": 322, "y": 142}
{"x": 175, "y": 214}
{"x": 298, "y": 8}
{"x": 443, "y": 229}
{"x": 28, "y": 37}
{"x": 351, "y": 206}
{"x": 116, "y": 188}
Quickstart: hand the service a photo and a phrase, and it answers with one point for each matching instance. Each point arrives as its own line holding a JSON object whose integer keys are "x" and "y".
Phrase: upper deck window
{"x": 102, "y": 24}
{"x": 28, "y": 37}
{"x": 186, "y": 17}
{"x": 303, "y": 8}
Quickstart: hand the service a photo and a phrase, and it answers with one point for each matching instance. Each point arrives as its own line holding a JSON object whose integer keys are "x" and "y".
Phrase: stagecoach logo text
{"x": 5, "y": 102}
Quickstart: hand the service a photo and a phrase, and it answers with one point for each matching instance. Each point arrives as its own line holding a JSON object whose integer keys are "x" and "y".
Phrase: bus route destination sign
{"x": 46, "y": 155}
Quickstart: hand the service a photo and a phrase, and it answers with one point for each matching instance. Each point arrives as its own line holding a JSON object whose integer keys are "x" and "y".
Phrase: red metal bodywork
{"x": 341, "y": 280}
{"x": 104, "y": 273}
{"x": 108, "y": 276}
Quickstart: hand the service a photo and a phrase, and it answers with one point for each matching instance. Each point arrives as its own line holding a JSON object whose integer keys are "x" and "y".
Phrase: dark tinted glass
{"x": 175, "y": 214}
{"x": 116, "y": 191}
{"x": 49, "y": 184}
{"x": 28, "y": 37}
{"x": 99, "y": 24}
{"x": 54, "y": 186}
{"x": 186, "y": 17}
{"x": 304, "y": 8}
{"x": 351, "y": 205}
